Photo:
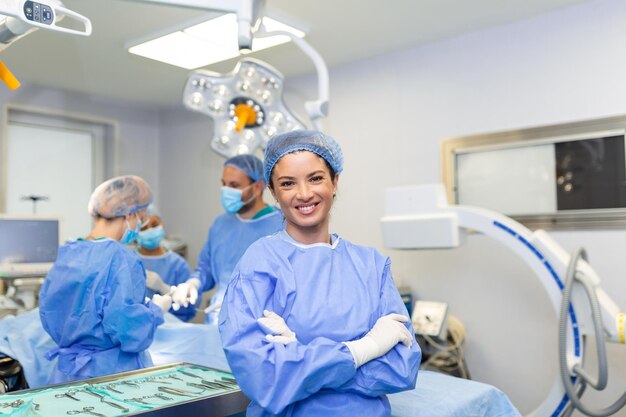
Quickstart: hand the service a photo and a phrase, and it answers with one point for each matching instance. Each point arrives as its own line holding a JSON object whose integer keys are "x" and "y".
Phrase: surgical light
{"x": 214, "y": 39}
{"x": 246, "y": 106}
{"x": 19, "y": 18}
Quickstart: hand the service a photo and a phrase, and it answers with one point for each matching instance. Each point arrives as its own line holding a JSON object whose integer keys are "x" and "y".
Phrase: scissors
{"x": 85, "y": 410}
{"x": 69, "y": 394}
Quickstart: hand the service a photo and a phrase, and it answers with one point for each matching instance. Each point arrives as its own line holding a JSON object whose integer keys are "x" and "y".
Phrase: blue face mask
{"x": 151, "y": 238}
{"x": 231, "y": 199}
{"x": 130, "y": 235}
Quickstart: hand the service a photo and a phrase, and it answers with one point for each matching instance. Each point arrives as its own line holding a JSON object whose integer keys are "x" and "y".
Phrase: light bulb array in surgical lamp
{"x": 246, "y": 106}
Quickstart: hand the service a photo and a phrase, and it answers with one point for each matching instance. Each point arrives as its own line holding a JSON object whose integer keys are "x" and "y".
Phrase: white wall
{"x": 190, "y": 174}
{"x": 138, "y": 126}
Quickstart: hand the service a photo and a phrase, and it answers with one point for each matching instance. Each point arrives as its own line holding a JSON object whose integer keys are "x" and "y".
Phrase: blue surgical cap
{"x": 302, "y": 140}
{"x": 249, "y": 164}
{"x": 119, "y": 196}
{"x": 152, "y": 209}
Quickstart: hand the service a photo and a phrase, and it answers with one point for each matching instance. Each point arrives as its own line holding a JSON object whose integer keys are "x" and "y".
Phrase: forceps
{"x": 85, "y": 410}
{"x": 88, "y": 390}
{"x": 69, "y": 394}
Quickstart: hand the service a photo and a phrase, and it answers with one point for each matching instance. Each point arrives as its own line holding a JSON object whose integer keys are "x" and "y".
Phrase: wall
{"x": 138, "y": 126}
{"x": 190, "y": 174}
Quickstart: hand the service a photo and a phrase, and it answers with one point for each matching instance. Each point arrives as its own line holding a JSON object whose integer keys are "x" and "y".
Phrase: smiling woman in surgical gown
{"x": 312, "y": 324}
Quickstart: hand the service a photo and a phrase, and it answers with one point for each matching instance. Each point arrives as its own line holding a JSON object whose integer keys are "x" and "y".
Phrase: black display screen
{"x": 591, "y": 174}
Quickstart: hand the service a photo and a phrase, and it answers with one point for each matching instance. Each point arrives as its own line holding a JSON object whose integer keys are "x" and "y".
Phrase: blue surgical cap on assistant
{"x": 302, "y": 140}
{"x": 152, "y": 209}
{"x": 249, "y": 164}
{"x": 120, "y": 196}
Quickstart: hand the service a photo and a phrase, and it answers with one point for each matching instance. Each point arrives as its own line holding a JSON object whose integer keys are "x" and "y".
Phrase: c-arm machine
{"x": 419, "y": 217}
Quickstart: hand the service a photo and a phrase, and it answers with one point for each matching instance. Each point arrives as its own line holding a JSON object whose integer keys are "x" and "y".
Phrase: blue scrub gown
{"x": 174, "y": 270}
{"x": 327, "y": 294}
{"x": 229, "y": 237}
{"x": 92, "y": 305}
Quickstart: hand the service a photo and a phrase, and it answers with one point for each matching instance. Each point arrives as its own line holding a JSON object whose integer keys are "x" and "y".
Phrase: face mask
{"x": 151, "y": 238}
{"x": 231, "y": 199}
{"x": 130, "y": 235}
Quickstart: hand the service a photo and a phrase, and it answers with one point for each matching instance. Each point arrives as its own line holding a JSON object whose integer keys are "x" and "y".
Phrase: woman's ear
{"x": 259, "y": 186}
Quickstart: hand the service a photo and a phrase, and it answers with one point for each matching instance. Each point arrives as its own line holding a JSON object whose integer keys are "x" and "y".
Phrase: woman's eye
{"x": 317, "y": 178}
{"x": 286, "y": 183}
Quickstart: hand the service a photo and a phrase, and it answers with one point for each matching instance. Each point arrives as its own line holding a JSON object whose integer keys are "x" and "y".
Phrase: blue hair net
{"x": 119, "y": 196}
{"x": 152, "y": 209}
{"x": 302, "y": 140}
{"x": 250, "y": 164}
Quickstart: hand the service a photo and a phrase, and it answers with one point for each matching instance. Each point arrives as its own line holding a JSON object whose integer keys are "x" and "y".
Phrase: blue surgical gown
{"x": 229, "y": 237}
{"x": 327, "y": 294}
{"x": 92, "y": 305}
{"x": 174, "y": 270}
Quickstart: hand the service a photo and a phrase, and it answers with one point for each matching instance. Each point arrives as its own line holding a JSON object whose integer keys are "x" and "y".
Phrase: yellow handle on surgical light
{"x": 7, "y": 76}
{"x": 245, "y": 116}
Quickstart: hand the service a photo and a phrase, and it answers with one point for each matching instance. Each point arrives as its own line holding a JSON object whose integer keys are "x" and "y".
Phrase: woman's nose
{"x": 304, "y": 192}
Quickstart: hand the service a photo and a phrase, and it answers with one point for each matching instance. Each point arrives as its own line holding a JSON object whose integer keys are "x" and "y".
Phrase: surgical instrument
{"x": 176, "y": 391}
{"x": 110, "y": 387}
{"x": 154, "y": 380}
{"x": 136, "y": 400}
{"x": 223, "y": 385}
{"x": 69, "y": 394}
{"x": 190, "y": 374}
{"x": 89, "y": 389}
{"x": 85, "y": 410}
{"x": 132, "y": 384}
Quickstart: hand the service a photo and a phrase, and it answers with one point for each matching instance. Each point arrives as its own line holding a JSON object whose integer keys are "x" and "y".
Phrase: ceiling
{"x": 341, "y": 30}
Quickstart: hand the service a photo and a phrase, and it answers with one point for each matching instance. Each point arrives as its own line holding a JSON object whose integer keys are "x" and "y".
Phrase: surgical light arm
{"x": 318, "y": 108}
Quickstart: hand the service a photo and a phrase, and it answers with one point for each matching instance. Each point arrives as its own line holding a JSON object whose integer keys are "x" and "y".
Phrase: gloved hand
{"x": 163, "y": 301}
{"x": 187, "y": 292}
{"x": 175, "y": 306}
{"x": 277, "y": 326}
{"x": 212, "y": 308}
{"x": 384, "y": 336}
{"x": 155, "y": 283}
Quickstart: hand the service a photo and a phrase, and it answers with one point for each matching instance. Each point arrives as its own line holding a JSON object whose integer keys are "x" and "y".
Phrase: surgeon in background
{"x": 92, "y": 302}
{"x": 164, "y": 268}
{"x": 247, "y": 219}
{"x": 311, "y": 324}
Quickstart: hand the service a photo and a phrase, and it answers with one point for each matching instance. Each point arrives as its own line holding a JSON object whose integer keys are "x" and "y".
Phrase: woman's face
{"x": 303, "y": 187}
{"x": 152, "y": 221}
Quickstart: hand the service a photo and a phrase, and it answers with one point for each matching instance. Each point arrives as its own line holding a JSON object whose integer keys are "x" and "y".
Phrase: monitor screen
{"x": 28, "y": 240}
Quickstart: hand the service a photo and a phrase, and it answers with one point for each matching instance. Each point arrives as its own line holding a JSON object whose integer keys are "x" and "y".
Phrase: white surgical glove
{"x": 277, "y": 326}
{"x": 175, "y": 306}
{"x": 163, "y": 301}
{"x": 187, "y": 292}
{"x": 155, "y": 283}
{"x": 212, "y": 308}
{"x": 388, "y": 331}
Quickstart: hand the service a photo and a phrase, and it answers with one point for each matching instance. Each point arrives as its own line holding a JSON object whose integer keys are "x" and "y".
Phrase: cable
{"x": 450, "y": 357}
{"x": 600, "y": 382}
